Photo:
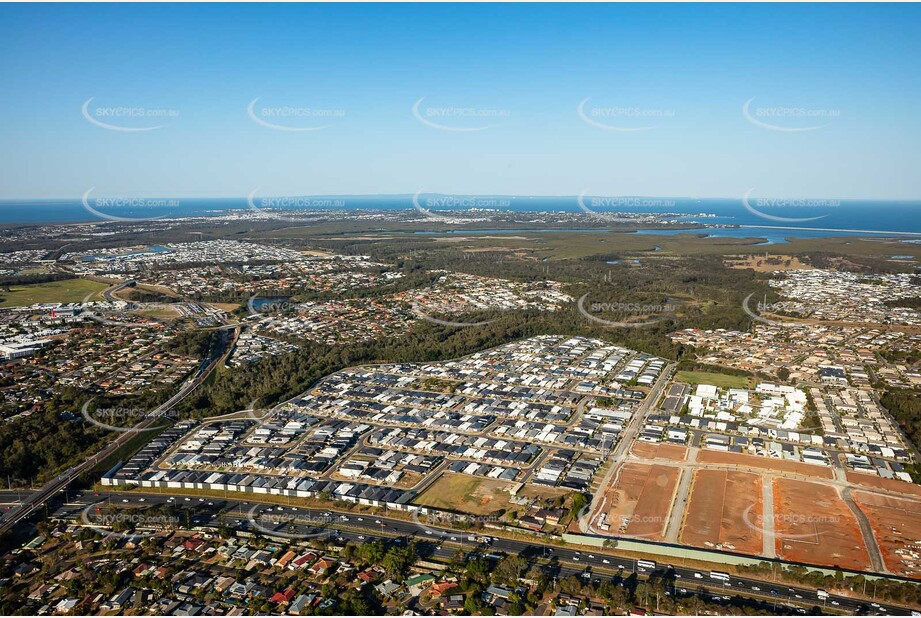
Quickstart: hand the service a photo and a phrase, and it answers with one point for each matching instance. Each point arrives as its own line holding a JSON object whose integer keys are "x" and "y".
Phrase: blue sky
{"x": 680, "y": 73}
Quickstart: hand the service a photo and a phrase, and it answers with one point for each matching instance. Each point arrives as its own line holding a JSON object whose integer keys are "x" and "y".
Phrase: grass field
{"x": 716, "y": 379}
{"x": 66, "y": 291}
{"x": 466, "y": 494}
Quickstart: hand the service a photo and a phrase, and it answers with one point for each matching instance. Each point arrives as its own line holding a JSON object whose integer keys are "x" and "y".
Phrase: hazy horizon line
{"x": 499, "y": 195}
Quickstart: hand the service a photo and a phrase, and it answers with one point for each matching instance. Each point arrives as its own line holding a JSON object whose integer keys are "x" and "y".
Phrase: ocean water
{"x": 796, "y": 219}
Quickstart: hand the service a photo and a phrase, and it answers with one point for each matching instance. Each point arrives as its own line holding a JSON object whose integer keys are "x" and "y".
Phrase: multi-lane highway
{"x": 298, "y": 523}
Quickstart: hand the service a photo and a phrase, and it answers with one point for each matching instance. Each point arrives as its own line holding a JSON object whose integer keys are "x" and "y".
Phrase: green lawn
{"x": 716, "y": 379}
{"x": 65, "y": 291}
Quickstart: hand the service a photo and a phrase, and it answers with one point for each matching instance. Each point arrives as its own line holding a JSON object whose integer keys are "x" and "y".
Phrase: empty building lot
{"x": 724, "y": 511}
{"x": 897, "y": 528}
{"x": 638, "y": 502}
{"x": 812, "y": 524}
{"x": 648, "y": 450}
{"x": 743, "y": 461}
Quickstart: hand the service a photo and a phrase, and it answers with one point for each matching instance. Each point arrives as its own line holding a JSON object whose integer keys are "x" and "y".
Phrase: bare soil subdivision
{"x": 724, "y": 511}
{"x": 896, "y": 525}
{"x": 639, "y": 502}
{"x": 766, "y": 463}
{"x": 812, "y": 524}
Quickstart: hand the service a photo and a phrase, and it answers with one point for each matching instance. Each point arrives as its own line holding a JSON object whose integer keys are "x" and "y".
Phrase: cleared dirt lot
{"x": 724, "y": 511}
{"x": 896, "y": 525}
{"x": 765, "y": 463}
{"x": 877, "y": 482}
{"x": 648, "y": 450}
{"x": 813, "y": 524}
{"x": 638, "y": 502}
